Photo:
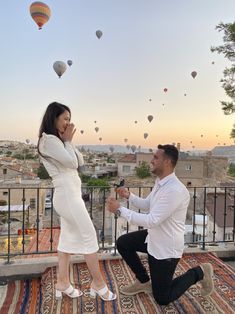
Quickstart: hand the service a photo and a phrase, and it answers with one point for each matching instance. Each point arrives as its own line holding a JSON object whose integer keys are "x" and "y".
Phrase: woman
{"x": 77, "y": 234}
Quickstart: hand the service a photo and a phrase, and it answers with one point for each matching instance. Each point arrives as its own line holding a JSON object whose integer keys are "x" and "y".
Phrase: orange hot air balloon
{"x": 40, "y": 13}
{"x": 165, "y": 90}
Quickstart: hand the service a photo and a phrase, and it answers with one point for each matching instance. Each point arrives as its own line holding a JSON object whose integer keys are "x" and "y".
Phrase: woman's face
{"x": 63, "y": 121}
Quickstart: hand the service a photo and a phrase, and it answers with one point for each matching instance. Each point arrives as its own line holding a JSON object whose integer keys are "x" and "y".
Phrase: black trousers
{"x": 165, "y": 288}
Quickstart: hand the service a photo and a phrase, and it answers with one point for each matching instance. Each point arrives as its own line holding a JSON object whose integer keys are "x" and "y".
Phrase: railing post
{"x": 9, "y": 229}
{"x": 204, "y": 221}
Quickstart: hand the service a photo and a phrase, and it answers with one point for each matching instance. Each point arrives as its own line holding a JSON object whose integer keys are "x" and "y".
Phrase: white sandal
{"x": 70, "y": 292}
{"x": 111, "y": 296}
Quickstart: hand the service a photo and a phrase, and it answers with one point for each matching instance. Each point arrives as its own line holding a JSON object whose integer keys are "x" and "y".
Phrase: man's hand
{"x": 123, "y": 192}
{"x": 112, "y": 205}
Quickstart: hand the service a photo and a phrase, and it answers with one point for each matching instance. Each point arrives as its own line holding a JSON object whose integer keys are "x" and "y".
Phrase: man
{"x": 163, "y": 240}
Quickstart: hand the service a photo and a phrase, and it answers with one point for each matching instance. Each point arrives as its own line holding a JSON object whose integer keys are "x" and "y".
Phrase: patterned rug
{"x": 20, "y": 297}
{"x": 117, "y": 274}
{"x": 35, "y": 296}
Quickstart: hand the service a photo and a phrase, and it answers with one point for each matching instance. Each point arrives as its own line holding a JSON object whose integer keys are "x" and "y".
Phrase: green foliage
{"x": 18, "y": 156}
{"x": 42, "y": 173}
{"x": 110, "y": 160}
{"x": 101, "y": 184}
{"x": 8, "y": 153}
{"x": 143, "y": 171}
{"x": 228, "y": 81}
{"x": 84, "y": 178}
{"x": 231, "y": 170}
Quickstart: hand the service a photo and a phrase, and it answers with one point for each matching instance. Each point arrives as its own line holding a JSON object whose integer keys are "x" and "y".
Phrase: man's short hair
{"x": 171, "y": 152}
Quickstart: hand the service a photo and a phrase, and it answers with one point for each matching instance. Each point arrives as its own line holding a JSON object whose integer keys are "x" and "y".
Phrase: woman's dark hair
{"x": 48, "y": 125}
{"x": 171, "y": 152}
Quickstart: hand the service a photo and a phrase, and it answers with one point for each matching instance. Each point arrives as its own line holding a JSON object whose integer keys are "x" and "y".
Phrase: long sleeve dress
{"x": 61, "y": 160}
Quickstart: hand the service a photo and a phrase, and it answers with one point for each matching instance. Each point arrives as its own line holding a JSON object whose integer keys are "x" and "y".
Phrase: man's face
{"x": 158, "y": 162}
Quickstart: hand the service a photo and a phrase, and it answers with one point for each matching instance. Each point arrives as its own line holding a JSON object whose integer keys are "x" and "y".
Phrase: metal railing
{"x": 210, "y": 218}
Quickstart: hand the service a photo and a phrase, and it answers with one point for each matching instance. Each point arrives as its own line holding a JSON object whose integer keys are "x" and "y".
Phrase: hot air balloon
{"x": 125, "y": 140}
{"x": 213, "y": 62}
{"x": 165, "y": 90}
{"x": 100, "y": 139}
{"x": 201, "y": 135}
{"x": 133, "y": 148}
{"x": 96, "y": 129}
{"x": 59, "y": 67}
{"x": 194, "y": 74}
{"x": 150, "y": 99}
{"x": 81, "y": 131}
{"x": 27, "y": 140}
{"x": 95, "y": 121}
{"x": 146, "y": 135}
{"x": 128, "y": 147}
{"x": 111, "y": 148}
{"x": 98, "y": 34}
{"x": 40, "y": 13}
{"x": 185, "y": 94}
{"x": 70, "y": 62}
{"x": 150, "y": 150}
{"x": 150, "y": 118}
{"x": 135, "y": 122}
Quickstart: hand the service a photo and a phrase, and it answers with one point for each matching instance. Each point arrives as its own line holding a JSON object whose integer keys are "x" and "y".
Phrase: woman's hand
{"x": 68, "y": 134}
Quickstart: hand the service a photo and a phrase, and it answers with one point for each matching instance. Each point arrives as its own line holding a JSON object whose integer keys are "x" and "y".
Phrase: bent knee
{"x": 121, "y": 241}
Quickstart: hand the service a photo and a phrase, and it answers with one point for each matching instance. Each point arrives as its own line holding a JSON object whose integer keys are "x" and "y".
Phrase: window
{"x": 228, "y": 236}
{"x": 126, "y": 169}
{"x": 188, "y": 167}
{"x": 4, "y": 193}
{"x": 32, "y": 203}
{"x": 4, "y": 171}
{"x": 189, "y": 183}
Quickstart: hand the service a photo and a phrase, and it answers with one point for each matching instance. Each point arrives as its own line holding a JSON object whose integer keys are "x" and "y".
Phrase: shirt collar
{"x": 163, "y": 181}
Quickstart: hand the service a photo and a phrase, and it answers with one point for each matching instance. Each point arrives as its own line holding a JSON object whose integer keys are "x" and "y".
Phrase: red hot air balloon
{"x": 165, "y": 90}
{"x": 40, "y": 13}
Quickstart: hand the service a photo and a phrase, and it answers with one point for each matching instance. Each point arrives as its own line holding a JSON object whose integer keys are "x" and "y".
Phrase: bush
{"x": 231, "y": 170}
{"x": 143, "y": 171}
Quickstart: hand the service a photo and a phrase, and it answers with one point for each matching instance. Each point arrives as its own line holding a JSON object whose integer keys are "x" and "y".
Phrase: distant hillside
{"x": 106, "y": 148}
{"x": 226, "y": 151}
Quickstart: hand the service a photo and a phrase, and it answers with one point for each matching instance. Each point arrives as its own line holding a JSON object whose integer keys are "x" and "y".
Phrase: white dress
{"x": 61, "y": 161}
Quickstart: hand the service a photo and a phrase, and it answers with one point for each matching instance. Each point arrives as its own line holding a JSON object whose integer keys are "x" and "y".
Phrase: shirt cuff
{"x": 125, "y": 212}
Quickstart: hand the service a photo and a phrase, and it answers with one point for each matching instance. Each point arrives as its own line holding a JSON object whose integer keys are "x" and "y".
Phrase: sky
{"x": 146, "y": 46}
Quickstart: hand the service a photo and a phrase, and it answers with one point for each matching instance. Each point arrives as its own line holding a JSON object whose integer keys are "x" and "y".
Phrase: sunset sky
{"x": 146, "y": 46}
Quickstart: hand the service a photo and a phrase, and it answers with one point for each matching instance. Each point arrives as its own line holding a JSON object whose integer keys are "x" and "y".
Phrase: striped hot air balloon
{"x": 40, "y": 13}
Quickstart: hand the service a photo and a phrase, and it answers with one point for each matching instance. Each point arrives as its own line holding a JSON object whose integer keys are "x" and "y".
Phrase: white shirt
{"x": 59, "y": 157}
{"x": 167, "y": 204}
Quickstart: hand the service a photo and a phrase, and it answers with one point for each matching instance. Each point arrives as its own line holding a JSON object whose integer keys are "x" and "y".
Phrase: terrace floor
{"x": 37, "y": 295}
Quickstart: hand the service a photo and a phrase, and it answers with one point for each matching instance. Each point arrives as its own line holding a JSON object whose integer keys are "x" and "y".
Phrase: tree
{"x": 228, "y": 81}
{"x": 143, "y": 171}
{"x": 42, "y": 173}
{"x": 231, "y": 170}
{"x": 101, "y": 184}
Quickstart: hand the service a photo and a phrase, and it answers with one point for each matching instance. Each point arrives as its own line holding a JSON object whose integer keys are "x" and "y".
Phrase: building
{"x": 191, "y": 170}
{"x": 126, "y": 165}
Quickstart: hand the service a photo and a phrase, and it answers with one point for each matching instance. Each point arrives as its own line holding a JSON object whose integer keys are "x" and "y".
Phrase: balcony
{"x": 28, "y": 242}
